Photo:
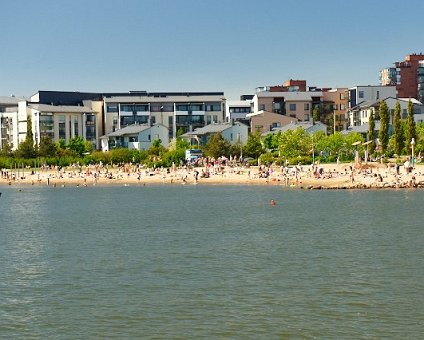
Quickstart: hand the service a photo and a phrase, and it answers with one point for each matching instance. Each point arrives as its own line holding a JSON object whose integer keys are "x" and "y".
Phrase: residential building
{"x": 407, "y": 75}
{"x": 263, "y": 121}
{"x": 309, "y": 127}
{"x": 13, "y": 123}
{"x": 359, "y": 94}
{"x": 296, "y": 105}
{"x": 359, "y": 115}
{"x": 334, "y": 106}
{"x": 139, "y": 137}
{"x": 290, "y": 86}
{"x": 62, "y": 122}
{"x": 237, "y": 110}
{"x": 176, "y": 110}
{"x": 236, "y": 132}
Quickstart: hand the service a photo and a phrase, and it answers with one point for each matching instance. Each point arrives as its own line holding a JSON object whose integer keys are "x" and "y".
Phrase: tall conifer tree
{"x": 383, "y": 134}
{"x": 371, "y": 133}
{"x": 398, "y": 131}
{"x": 410, "y": 126}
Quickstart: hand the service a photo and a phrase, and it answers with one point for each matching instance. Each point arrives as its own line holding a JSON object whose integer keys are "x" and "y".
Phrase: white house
{"x": 234, "y": 133}
{"x": 139, "y": 137}
{"x": 360, "y": 114}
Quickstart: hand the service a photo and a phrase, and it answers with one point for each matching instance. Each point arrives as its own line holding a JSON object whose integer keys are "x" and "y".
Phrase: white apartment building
{"x": 177, "y": 111}
{"x": 236, "y": 110}
{"x": 13, "y": 121}
{"x": 360, "y": 114}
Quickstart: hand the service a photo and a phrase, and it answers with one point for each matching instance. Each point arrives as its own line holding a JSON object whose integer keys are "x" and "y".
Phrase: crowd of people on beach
{"x": 225, "y": 170}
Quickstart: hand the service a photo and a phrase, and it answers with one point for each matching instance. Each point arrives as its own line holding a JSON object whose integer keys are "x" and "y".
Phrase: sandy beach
{"x": 321, "y": 176}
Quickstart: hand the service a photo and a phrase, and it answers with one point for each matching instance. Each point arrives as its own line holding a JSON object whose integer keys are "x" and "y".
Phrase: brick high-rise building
{"x": 408, "y": 75}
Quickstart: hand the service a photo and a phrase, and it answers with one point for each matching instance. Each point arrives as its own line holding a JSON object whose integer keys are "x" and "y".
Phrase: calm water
{"x": 211, "y": 262}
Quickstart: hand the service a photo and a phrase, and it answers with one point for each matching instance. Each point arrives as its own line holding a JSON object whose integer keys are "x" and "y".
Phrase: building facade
{"x": 177, "y": 111}
{"x": 139, "y": 137}
{"x": 360, "y": 114}
{"x": 297, "y": 105}
{"x": 407, "y": 75}
{"x": 237, "y": 111}
{"x": 235, "y": 133}
{"x": 334, "y": 106}
{"x": 12, "y": 123}
{"x": 63, "y": 122}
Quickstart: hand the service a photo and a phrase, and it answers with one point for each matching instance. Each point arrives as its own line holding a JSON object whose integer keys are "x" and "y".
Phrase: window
{"x": 306, "y": 106}
{"x": 127, "y": 108}
{"x": 182, "y": 107}
{"x": 261, "y": 107}
{"x": 76, "y": 126}
{"x": 62, "y": 128}
{"x": 361, "y": 94}
{"x": 196, "y": 107}
{"x": 112, "y": 108}
{"x": 46, "y": 125}
{"x": 342, "y": 96}
{"x": 307, "y": 117}
{"x": 213, "y": 107}
{"x": 152, "y": 120}
{"x": 141, "y": 108}
{"x": 292, "y": 107}
{"x": 342, "y": 107}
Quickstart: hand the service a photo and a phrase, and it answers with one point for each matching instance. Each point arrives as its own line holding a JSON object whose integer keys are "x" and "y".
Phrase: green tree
{"x": 295, "y": 143}
{"x": 77, "y": 144}
{"x": 88, "y": 146}
{"x": 47, "y": 147}
{"x": 270, "y": 141}
{"x": 371, "y": 135}
{"x": 398, "y": 131}
{"x": 383, "y": 134}
{"x": 316, "y": 113}
{"x": 419, "y": 145}
{"x": 26, "y": 149}
{"x": 410, "y": 126}
{"x": 6, "y": 149}
{"x": 217, "y": 146}
{"x": 253, "y": 147}
{"x": 157, "y": 148}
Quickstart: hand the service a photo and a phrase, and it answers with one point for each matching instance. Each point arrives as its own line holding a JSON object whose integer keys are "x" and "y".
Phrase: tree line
{"x": 291, "y": 146}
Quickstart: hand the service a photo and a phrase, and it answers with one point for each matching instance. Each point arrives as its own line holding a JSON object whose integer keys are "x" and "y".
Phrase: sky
{"x": 231, "y": 46}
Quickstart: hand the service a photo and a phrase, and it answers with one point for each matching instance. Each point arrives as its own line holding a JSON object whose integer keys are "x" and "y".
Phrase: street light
{"x": 412, "y": 151}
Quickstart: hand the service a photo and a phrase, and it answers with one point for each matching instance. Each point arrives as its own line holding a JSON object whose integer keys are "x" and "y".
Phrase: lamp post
{"x": 412, "y": 151}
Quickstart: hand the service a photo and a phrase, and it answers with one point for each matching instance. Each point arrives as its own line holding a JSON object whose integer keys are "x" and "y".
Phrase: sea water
{"x": 200, "y": 261}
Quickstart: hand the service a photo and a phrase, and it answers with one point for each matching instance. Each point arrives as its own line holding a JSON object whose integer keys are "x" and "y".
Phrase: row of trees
{"x": 403, "y": 131}
{"x": 292, "y": 145}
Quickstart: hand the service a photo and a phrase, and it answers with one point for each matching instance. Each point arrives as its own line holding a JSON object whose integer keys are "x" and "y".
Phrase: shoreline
{"x": 308, "y": 177}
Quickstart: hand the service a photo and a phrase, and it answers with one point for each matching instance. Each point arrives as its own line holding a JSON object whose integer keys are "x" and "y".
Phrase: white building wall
{"x": 236, "y": 133}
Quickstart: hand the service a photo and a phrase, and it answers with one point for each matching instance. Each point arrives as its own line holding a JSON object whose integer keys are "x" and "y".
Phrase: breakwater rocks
{"x": 374, "y": 186}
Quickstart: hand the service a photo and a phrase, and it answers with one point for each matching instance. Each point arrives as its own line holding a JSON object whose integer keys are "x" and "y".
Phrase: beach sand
{"x": 322, "y": 176}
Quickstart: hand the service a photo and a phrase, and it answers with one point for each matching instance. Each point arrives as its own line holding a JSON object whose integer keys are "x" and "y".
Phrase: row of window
{"x": 240, "y": 110}
{"x": 163, "y": 107}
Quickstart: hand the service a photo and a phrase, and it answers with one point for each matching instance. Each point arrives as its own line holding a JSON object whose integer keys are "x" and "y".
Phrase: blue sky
{"x": 199, "y": 45}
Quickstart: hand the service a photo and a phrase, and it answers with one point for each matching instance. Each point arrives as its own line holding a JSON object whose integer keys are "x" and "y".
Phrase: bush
{"x": 300, "y": 159}
{"x": 267, "y": 158}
